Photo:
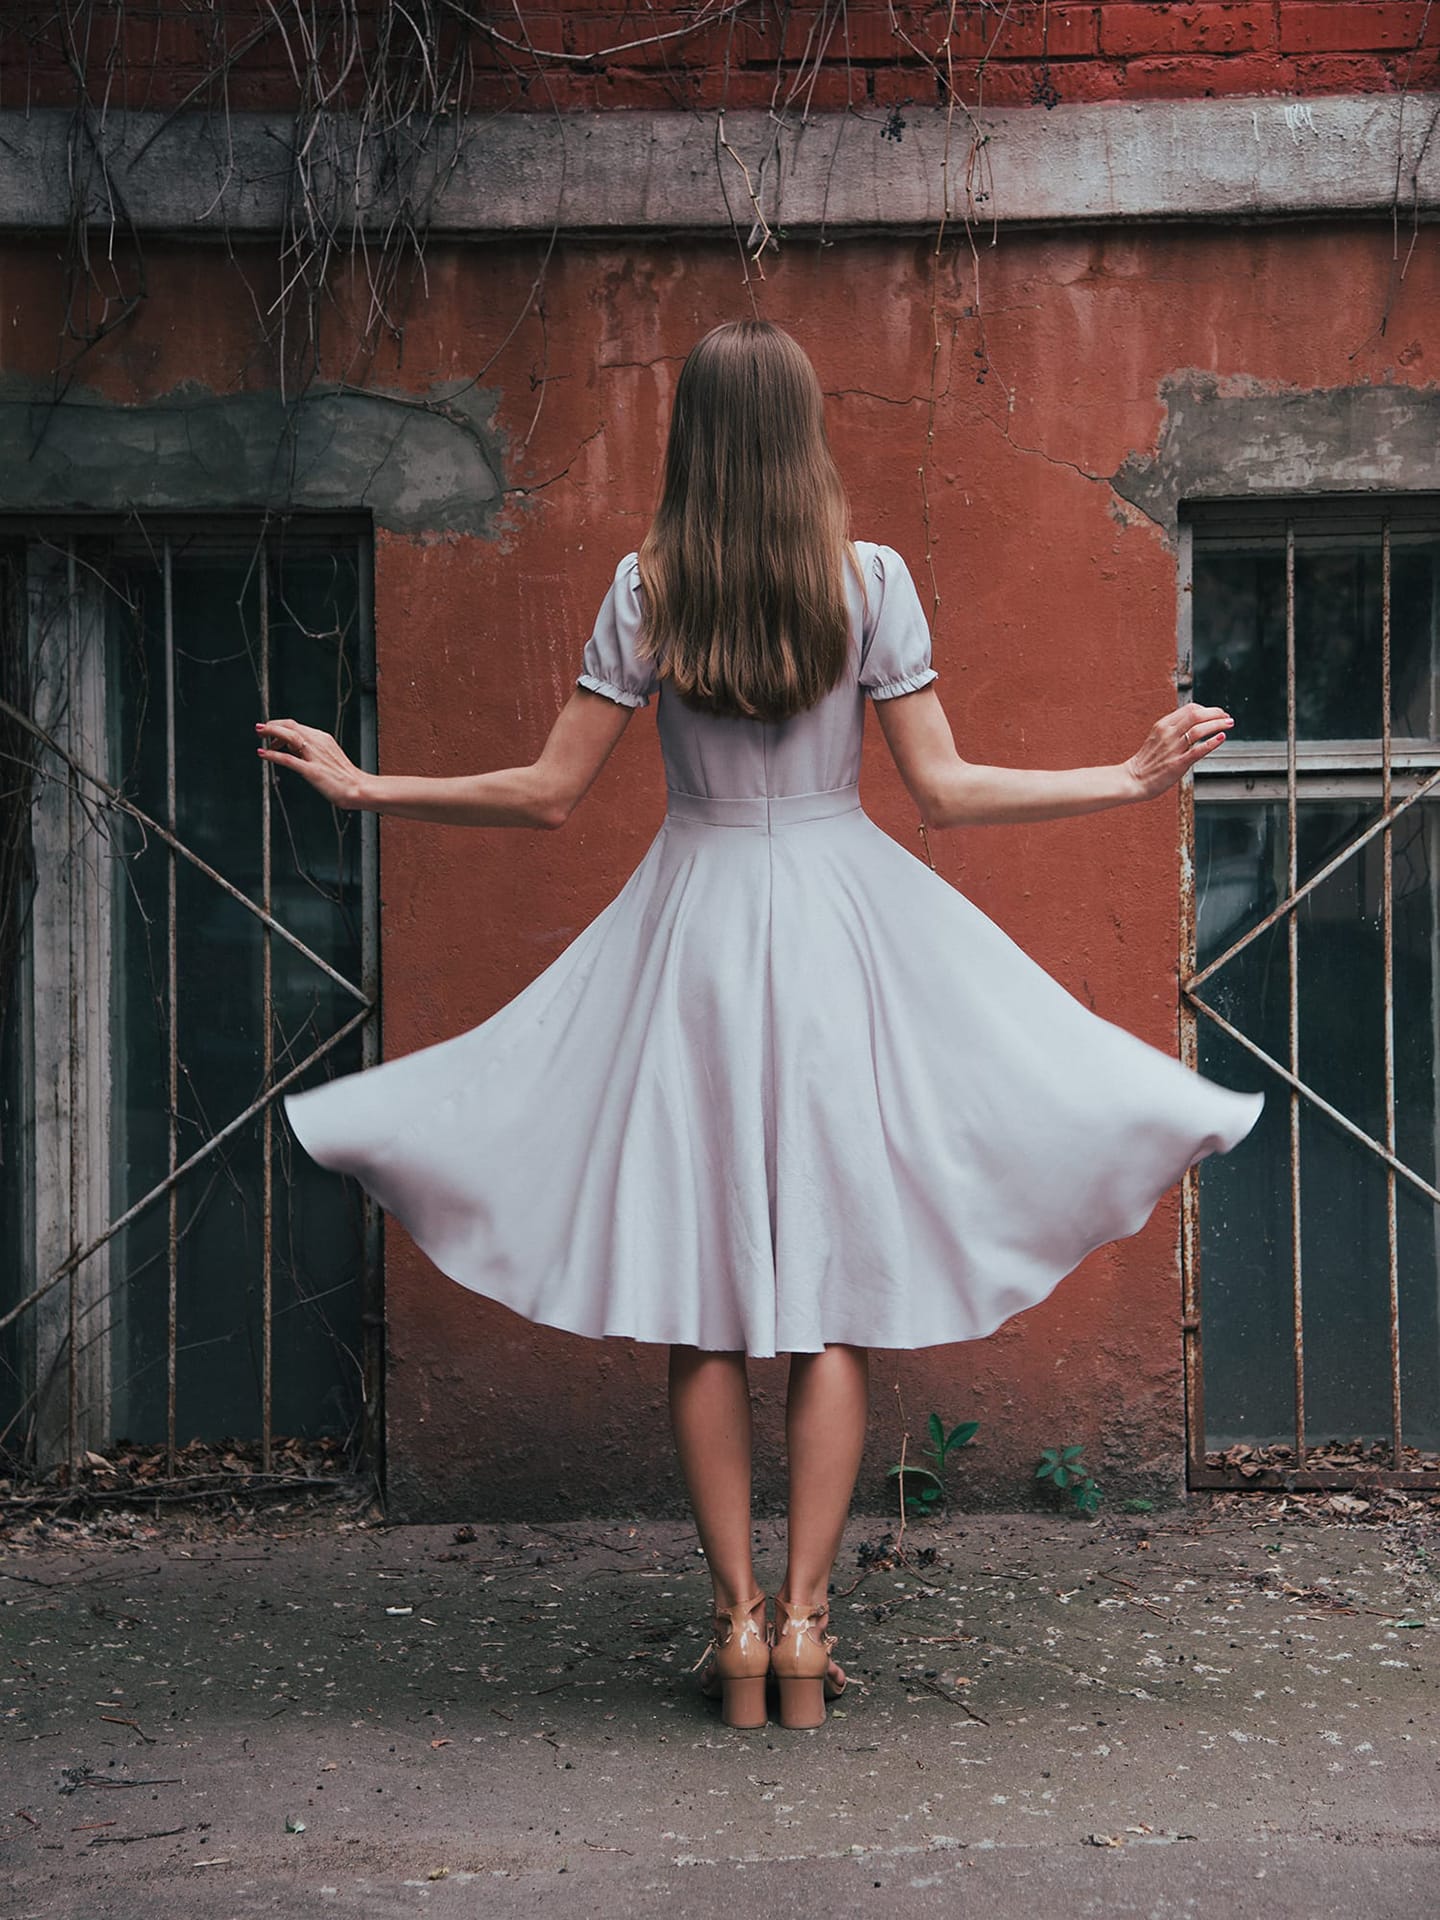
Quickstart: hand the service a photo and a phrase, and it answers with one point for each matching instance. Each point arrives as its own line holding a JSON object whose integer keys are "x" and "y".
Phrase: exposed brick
{"x": 912, "y": 86}
{"x": 1019, "y": 83}
{"x": 1361, "y": 73}
{"x": 753, "y": 87}
{"x": 1183, "y": 77}
{"x": 1241, "y": 27}
{"x": 1024, "y": 31}
{"x": 643, "y": 38}
{"x": 1353, "y": 26}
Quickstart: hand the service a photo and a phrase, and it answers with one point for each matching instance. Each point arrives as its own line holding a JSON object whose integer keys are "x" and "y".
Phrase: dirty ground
{"x": 1227, "y": 1709}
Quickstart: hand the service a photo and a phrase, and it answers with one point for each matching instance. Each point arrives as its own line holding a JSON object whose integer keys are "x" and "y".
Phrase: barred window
{"x": 184, "y": 936}
{"x": 1313, "y": 947}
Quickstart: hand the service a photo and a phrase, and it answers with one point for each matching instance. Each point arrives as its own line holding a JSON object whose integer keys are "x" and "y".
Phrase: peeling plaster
{"x": 1239, "y": 438}
{"x": 428, "y": 462}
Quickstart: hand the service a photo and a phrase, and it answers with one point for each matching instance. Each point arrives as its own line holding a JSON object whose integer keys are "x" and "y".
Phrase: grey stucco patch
{"x": 1236, "y": 439}
{"x": 426, "y": 462}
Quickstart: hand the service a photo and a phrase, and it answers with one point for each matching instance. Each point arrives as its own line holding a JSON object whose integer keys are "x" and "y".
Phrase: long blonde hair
{"x": 743, "y": 566}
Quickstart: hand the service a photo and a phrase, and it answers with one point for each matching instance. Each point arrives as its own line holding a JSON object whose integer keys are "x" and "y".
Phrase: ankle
{"x": 805, "y": 1596}
{"x": 730, "y": 1598}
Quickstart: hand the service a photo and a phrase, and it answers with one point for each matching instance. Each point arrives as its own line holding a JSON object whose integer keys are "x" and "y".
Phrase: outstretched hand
{"x": 317, "y": 756}
{"x": 1174, "y": 744}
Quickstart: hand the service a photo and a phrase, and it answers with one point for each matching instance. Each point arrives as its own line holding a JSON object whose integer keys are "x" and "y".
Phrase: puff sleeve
{"x": 613, "y": 664}
{"x": 896, "y": 654}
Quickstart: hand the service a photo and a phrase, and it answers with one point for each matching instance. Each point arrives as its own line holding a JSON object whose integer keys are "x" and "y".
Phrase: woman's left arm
{"x": 544, "y": 794}
{"x": 952, "y": 792}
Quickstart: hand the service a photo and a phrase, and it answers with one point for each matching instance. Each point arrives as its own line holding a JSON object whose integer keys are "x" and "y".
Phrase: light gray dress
{"x": 790, "y": 1086}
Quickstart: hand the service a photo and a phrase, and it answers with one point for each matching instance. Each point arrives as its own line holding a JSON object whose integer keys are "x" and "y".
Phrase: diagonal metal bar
{"x": 270, "y": 1094}
{"x": 117, "y": 800}
{"x": 1292, "y": 900}
{"x": 1308, "y": 886}
{"x": 1416, "y": 1180}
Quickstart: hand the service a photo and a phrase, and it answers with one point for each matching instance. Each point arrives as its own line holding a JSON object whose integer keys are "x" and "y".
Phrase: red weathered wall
{"x": 1055, "y": 640}
{"x": 607, "y": 53}
{"x": 1056, "y": 644}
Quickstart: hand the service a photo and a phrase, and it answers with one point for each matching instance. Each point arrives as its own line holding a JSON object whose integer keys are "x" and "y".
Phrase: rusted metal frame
{"x": 372, "y": 1292}
{"x": 120, "y": 804}
{"x": 1298, "y": 1088}
{"x": 1200, "y": 1474}
{"x": 1292, "y": 954}
{"x": 216, "y": 1140}
{"x": 267, "y": 1016}
{"x": 72, "y": 1337}
{"x": 1387, "y": 930}
{"x": 172, "y": 1025}
{"x": 1292, "y": 900}
{"x": 1191, "y": 1335}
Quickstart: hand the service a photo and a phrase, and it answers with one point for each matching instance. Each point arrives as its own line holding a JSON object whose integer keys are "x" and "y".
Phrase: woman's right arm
{"x": 543, "y": 794}
{"x": 951, "y": 792}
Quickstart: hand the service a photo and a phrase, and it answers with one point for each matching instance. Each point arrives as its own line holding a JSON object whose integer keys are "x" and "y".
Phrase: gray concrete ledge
{"x": 1260, "y": 157}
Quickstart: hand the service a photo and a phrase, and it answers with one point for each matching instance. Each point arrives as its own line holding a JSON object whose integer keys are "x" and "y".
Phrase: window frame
{"x": 67, "y": 1309}
{"x": 1295, "y": 771}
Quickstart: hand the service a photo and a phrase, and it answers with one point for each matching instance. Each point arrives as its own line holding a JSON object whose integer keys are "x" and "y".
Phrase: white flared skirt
{"x": 789, "y": 1088}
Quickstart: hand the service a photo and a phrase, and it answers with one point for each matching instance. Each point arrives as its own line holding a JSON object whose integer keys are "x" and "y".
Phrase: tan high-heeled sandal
{"x": 739, "y": 1657}
{"x": 800, "y": 1650}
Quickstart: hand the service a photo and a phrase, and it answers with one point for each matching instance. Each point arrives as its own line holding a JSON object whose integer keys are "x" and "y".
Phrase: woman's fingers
{"x": 315, "y": 755}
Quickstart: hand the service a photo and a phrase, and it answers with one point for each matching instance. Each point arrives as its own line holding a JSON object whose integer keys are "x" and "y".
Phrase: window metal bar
{"x": 1321, "y": 874}
{"x": 72, "y": 1340}
{"x": 1299, "y": 1088}
{"x": 1292, "y": 929}
{"x": 267, "y": 1019}
{"x": 119, "y": 802}
{"x": 172, "y": 1023}
{"x": 1190, "y": 1323}
{"x": 216, "y": 1140}
{"x": 1387, "y": 941}
{"x": 372, "y": 1299}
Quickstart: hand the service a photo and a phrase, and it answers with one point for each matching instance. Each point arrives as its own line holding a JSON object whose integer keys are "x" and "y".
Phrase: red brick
{"x": 639, "y": 40}
{"x": 1362, "y": 73}
{"x": 1026, "y": 31}
{"x": 1216, "y": 28}
{"x": 1184, "y": 77}
{"x": 1017, "y": 83}
{"x": 1352, "y": 26}
{"x": 912, "y": 86}
{"x": 754, "y": 87}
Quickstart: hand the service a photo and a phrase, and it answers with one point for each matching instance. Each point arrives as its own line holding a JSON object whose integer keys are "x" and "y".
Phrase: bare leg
{"x": 825, "y": 1418}
{"x": 710, "y": 1418}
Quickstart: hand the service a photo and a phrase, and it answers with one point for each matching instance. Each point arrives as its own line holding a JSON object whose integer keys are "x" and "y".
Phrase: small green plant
{"x": 1062, "y": 1467}
{"x": 923, "y": 1488}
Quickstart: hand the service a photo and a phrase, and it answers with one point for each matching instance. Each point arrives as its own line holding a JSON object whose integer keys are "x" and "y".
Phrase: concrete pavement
{"x": 1221, "y": 1710}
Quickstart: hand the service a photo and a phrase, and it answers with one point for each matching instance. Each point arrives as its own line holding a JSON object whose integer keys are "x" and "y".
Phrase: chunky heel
{"x": 742, "y": 1701}
{"x": 736, "y": 1663}
{"x": 802, "y": 1702}
{"x": 800, "y": 1650}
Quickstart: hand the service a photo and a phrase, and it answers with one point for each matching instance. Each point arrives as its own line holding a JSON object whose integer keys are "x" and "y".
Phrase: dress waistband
{"x": 762, "y": 810}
